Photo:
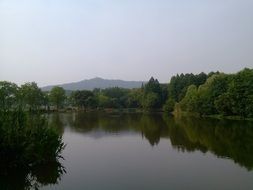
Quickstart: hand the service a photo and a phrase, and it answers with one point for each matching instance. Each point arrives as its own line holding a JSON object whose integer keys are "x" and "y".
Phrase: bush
{"x": 26, "y": 140}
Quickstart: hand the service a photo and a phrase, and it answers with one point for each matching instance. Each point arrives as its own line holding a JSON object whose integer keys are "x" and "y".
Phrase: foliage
{"x": 169, "y": 105}
{"x": 222, "y": 94}
{"x": 8, "y": 96}
{"x": 25, "y": 140}
{"x": 103, "y": 101}
{"x": 189, "y": 102}
{"x": 240, "y": 92}
{"x": 179, "y": 84}
{"x": 203, "y": 94}
{"x": 27, "y": 144}
{"x": 151, "y": 100}
{"x": 83, "y": 99}
{"x": 223, "y": 104}
{"x": 31, "y": 96}
{"x": 134, "y": 99}
{"x": 57, "y": 96}
{"x": 117, "y": 97}
{"x": 153, "y": 85}
{"x": 152, "y": 95}
{"x": 27, "y": 148}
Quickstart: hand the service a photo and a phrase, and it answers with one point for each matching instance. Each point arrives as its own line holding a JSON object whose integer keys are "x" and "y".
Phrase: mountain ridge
{"x": 96, "y": 82}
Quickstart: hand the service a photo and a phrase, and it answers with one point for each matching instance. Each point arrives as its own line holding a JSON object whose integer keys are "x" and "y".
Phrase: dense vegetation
{"x": 27, "y": 144}
{"x": 203, "y": 94}
{"x": 27, "y": 147}
{"x": 224, "y": 94}
{"x": 25, "y": 140}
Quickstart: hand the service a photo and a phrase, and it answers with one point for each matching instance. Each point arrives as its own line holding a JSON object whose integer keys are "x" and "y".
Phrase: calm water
{"x": 138, "y": 151}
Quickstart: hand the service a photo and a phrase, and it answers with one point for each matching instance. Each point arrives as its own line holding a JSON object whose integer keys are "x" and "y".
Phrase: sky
{"x": 59, "y": 41}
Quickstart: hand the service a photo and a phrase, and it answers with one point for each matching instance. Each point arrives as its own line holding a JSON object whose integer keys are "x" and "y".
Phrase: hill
{"x": 97, "y": 82}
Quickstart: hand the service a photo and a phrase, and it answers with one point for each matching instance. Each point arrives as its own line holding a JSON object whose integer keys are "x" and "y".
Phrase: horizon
{"x": 136, "y": 80}
{"x": 97, "y": 77}
{"x": 89, "y": 80}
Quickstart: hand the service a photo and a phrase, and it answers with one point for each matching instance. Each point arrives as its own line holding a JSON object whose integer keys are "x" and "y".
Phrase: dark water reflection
{"x": 49, "y": 173}
{"x": 152, "y": 151}
{"x": 148, "y": 151}
{"x": 224, "y": 138}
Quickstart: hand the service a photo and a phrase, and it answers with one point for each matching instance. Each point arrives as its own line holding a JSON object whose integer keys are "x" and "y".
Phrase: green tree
{"x": 31, "y": 95}
{"x": 152, "y": 97}
{"x": 45, "y": 100}
{"x": 215, "y": 86}
{"x": 151, "y": 100}
{"x": 103, "y": 101}
{"x": 241, "y": 92}
{"x": 57, "y": 96}
{"x": 222, "y": 94}
{"x": 179, "y": 84}
{"x": 83, "y": 98}
{"x": 169, "y": 105}
{"x": 134, "y": 98}
{"x": 190, "y": 101}
{"x": 223, "y": 104}
{"x": 117, "y": 97}
{"x": 153, "y": 85}
{"x": 8, "y": 96}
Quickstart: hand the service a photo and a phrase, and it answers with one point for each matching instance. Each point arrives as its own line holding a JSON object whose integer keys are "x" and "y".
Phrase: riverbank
{"x": 151, "y": 111}
{"x": 138, "y": 110}
{"x": 192, "y": 114}
{"x": 105, "y": 110}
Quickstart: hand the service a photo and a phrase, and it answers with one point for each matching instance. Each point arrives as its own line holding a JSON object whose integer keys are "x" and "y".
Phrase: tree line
{"x": 223, "y": 94}
{"x": 31, "y": 98}
{"x": 204, "y": 94}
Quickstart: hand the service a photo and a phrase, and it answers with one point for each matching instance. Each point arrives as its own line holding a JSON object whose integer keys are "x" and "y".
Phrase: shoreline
{"x": 220, "y": 117}
{"x": 153, "y": 111}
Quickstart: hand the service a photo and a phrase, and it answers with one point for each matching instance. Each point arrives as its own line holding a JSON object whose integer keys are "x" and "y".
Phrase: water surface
{"x": 151, "y": 151}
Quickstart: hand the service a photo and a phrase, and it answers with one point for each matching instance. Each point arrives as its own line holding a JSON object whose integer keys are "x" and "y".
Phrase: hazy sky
{"x": 58, "y": 41}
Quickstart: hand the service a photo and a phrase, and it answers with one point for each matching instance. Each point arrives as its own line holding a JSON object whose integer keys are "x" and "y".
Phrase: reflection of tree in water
{"x": 152, "y": 127}
{"x": 86, "y": 122}
{"x": 57, "y": 121}
{"x": 224, "y": 138}
{"x": 21, "y": 179}
{"x": 83, "y": 122}
{"x": 179, "y": 138}
{"x": 49, "y": 173}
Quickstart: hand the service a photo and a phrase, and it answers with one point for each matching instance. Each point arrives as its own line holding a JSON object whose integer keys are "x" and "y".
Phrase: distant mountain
{"x": 97, "y": 82}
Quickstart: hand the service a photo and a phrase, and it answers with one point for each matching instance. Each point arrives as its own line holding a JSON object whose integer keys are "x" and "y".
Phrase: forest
{"x": 203, "y": 94}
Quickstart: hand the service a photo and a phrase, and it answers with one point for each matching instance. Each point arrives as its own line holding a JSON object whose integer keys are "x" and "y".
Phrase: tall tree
{"x": 8, "y": 95}
{"x": 152, "y": 97}
{"x": 240, "y": 92}
{"x": 83, "y": 99}
{"x": 190, "y": 102}
{"x": 31, "y": 95}
{"x": 179, "y": 84}
{"x": 57, "y": 96}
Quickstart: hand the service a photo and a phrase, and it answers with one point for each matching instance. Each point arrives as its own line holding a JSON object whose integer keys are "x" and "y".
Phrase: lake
{"x": 151, "y": 151}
